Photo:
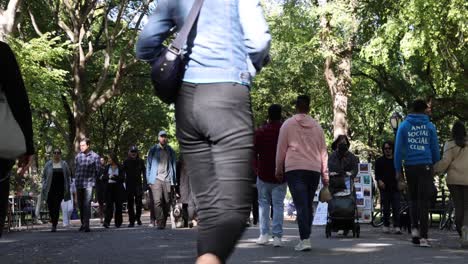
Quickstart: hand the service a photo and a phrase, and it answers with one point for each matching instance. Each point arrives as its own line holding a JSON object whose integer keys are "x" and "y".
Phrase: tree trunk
{"x": 8, "y": 18}
{"x": 337, "y": 69}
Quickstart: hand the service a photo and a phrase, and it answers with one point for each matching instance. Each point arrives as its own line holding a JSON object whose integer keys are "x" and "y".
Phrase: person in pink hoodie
{"x": 302, "y": 158}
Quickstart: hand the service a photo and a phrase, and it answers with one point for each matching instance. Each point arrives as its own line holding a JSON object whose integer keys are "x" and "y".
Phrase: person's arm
{"x": 281, "y": 149}
{"x": 44, "y": 175}
{"x": 143, "y": 171}
{"x": 12, "y": 84}
{"x": 442, "y": 165}
{"x": 257, "y": 140}
{"x": 434, "y": 145}
{"x": 354, "y": 166}
{"x": 324, "y": 158}
{"x": 149, "y": 160}
{"x": 257, "y": 36}
{"x": 174, "y": 167}
{"x": 98, "y": 167}
{"x": 400, "y": 148}
{"x": 156, "y": 30}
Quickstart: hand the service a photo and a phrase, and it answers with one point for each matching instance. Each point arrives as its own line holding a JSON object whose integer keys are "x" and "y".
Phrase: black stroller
{"x": 342, "y": 208}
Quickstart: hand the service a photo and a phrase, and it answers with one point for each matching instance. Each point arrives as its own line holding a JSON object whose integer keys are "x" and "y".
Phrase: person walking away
{"x": 455, "y": 163}
{"x": 100, "y": 189}
{"x": 417, "y": 145}
{"x": 56, "y": 186}
{"x": 271, "y": 192}
{"x": 161, "y": 176}
{"x": 390, "y": 196}
{"x": 227, "y": 46}
{"x": 302, "y": 157}
{"x": 13, "y": 96}
{"x": 113, "y": 178}
{"x": 87, "y": 170}
{"x": 135, "y": 179}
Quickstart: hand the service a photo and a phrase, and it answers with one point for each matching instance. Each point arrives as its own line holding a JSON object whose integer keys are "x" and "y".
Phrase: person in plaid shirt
{"x": 87, "y": 170}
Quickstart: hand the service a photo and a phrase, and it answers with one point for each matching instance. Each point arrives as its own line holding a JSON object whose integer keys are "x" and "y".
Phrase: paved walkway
{"x": 149, "y": 245}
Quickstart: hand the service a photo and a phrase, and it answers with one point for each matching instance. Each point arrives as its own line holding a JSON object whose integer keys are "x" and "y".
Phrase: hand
{"x": 325, "y": 181}
{"x": 381, "y": 184}
{"x": 24, "y": 162}
{"x": 398, "y": 176}
{"x": 279, "y": 176}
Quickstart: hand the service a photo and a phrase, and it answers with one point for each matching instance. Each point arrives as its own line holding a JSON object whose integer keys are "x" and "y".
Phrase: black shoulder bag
{"x": 168, "y": 69}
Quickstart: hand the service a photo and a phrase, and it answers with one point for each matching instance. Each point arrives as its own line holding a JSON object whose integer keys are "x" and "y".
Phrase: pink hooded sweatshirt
{"x": 301, "y": 146}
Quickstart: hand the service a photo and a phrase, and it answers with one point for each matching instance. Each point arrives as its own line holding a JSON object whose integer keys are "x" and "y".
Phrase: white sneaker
{"x": 386, "y": 229}
{"x": 262, "y": 240}
{"x": 277, "y": 242}
{"x": 151, "y": 224}
{"x": 304, "y": 245}
{"x": 423, "y": 242}
{"x": 414, "y": 232}
{"x": 397, "y": 230}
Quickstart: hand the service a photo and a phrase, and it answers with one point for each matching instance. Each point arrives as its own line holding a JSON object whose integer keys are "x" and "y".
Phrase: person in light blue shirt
{"x": 227, "y": 46}
{"x": 417, "y": 145}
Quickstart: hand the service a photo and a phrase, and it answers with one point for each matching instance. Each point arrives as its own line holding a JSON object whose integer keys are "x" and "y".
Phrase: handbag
{"x": 12, "y": 141}
{"x": 167, "y": 70}
{"x": 324, "y": 195}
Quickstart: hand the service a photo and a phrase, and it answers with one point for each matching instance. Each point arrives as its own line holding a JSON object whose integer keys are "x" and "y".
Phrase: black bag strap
{"x": 182, "y": 36}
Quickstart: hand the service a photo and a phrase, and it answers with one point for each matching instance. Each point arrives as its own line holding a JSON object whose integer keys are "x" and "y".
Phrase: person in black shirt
{"x": 388, "y": 186}
{"x": 134, "y": 168}
{"x": 100, "y": 189}
{"x": 114, "y": 178}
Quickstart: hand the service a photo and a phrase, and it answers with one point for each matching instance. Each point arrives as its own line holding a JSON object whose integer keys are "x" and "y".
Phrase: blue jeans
{"x": 302, "y": 185}
{"x": 268, "y": 193}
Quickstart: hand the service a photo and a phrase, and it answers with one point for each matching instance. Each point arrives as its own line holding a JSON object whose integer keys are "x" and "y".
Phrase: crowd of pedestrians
{"x": 223, "y": 156}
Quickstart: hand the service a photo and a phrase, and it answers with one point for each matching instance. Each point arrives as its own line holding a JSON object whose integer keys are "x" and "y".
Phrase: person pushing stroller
{"x": 343, "y": 168}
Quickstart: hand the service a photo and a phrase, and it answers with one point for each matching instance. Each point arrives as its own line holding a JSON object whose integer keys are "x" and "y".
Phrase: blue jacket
{"x": 152, "y": 164}
{"x": 229, "y": 43}
{"x": 416, "y": 142}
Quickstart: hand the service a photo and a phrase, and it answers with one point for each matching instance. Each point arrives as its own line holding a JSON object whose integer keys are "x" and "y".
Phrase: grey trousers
{"x": 215, "y": 131}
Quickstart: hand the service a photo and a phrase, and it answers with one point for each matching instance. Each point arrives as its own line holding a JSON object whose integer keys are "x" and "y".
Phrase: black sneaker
{"x": 131, "y": 225}
{"x": 139, "y": 222}
{"x": 87, "y": 230}
{"x": 415, "y": 240}
{"x": 54, "y": 229}
{"x": 106, "y": 225}
{"x": 82, "y": 228}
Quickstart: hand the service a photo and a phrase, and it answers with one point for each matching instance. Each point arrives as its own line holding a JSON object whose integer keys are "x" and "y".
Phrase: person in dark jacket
{"x": 100, "y": 189}
{"x": 271, "y": 192}
{"x": 389, "y": 194}
{"x": 342, "y": 165}
{"x": 135, "y": 179}
{"x": 12, "y": 87}
{"x": 56, "y": 186}
{"x": 114, "y": 178}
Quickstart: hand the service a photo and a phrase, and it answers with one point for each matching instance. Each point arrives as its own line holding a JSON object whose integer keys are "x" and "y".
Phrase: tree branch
{"x": 34, "y": 24}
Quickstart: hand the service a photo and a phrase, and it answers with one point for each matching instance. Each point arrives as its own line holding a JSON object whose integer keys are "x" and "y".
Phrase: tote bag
{"x": 12, "y": 142}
